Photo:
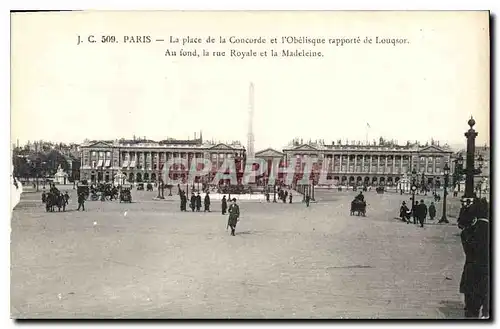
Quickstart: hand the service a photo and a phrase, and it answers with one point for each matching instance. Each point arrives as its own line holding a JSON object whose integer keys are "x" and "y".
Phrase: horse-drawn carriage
{"x": 358, "y": 207}
{"x": 125, "y": 194}
{"x": 380, "y": 190}
{"x": 140, "y": 186}
{"x": 149, "y": 187}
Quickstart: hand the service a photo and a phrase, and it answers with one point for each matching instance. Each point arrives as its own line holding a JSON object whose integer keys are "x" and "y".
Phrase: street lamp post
{"x": 274, "y": 192}
{"x": 413, "y": 187}
{"x": 446, "y": 170}
{"x": 470, "y": 170}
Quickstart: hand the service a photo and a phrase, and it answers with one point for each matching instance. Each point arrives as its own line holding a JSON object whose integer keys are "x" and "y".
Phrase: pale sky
{"x": 426, "y": 89}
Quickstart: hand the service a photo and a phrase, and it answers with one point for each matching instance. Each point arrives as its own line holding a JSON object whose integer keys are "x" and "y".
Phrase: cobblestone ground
{"x": 148, "y": 260}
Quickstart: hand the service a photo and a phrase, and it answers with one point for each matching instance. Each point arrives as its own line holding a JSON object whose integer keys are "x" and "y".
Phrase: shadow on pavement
{"x": 452, "y": 309}
{"x": 246, "y": 232}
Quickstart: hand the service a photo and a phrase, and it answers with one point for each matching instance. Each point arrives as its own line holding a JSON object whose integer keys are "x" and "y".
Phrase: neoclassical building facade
{"x": 143, "y": 160}
{"x": 383, "y": 164}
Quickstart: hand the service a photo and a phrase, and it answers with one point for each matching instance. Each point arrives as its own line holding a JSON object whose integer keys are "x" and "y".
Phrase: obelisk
{"x": 250, "y": 137}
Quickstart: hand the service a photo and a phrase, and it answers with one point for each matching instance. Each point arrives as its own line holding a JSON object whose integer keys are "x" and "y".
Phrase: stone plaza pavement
{"x": 148, "y": 260}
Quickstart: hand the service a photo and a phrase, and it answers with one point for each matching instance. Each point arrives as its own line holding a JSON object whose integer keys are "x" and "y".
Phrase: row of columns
{"x": 378, "y": 161}
{"x": 161, "y": 157}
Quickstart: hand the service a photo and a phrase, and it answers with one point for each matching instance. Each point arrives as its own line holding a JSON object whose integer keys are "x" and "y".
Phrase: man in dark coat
{"x": 432, "y": 211}
{"x": 268, "y": 197}
{"x": 198, "y": 202}
{"x": 290, "y": 197}
{"x": 44, "y": 197}
{"x": 193, "y": 201}
{"x": 474, "y": 283}
{"x": 81, "y": 201}
{"x": 207, "y": 202}
{"x": 224, "y": 205}
{"x": 422, "y": 213}
{"x": 234, "y": 214}
{"x": 308, "y": 199}
{"x": 61, "y": 202}
{"x": 48, "y": 201}
{"x": 414, "y": 212}
{"x": 183, "y": 200}
{"x": 66, "y": 197}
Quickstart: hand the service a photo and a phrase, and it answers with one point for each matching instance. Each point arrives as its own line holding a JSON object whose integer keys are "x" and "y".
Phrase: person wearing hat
{"x": 207, "y": 202}
{"x": 198, "y": 202}
{"x": 404, "y": 213}
{"x": 432, "y": 211}
{"x": 224, "y": 205}
{"x": 475, "y": 236}
{"x": 234, "y": 214}
{"x": 422, "y": 212}
{"x": 193, "y": 201}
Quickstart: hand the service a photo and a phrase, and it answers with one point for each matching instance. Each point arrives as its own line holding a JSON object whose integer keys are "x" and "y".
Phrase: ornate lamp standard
{"x": 446, "y": 170}
{"x": 470, "y": 170}
{"x": 413, "y": 187}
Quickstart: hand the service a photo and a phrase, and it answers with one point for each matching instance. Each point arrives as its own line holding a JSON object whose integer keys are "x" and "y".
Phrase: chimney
{"x": 195, "y": 135}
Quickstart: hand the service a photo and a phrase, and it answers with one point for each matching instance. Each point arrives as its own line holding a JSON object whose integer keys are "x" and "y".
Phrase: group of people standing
{"x": 419, "y": 212}
{"x": 195, "y": 201}
{"x": 283, "y": 195}
{"x": 473, "y": 220}
{"x": 195, "y": 205}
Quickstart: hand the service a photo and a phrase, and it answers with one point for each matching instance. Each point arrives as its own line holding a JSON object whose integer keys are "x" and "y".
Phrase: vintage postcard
{"x": 250, "y": 165}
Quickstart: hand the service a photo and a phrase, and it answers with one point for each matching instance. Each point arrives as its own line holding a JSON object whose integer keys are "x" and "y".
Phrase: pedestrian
{"x": 474, "y": 284}
{"x": 198, "y": 202}
{"x": 308, "y": 199}
{"x": 62, "y": 202}
{"x": 286, "y": 196}
{"x": 183, "y": 200}
{"x": 422, "y": 213}
{"x": 268, "y": 197}
{"x": 66, "y": 197}
{"x": 44, "y": 197}
{"x": 207, "y": 203}
{"x": 234, "y": 214}
{"x": 432, "y": 211}
{"x": 224, "y": 205}
{"x": 290, "y": 197}
{"x": 414, "y": 211}
{"x": 404, "y": 213}
{"x": 48, "y": 202}
{"x": 193, "y": 201}
{"x": 81, "y": 202}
